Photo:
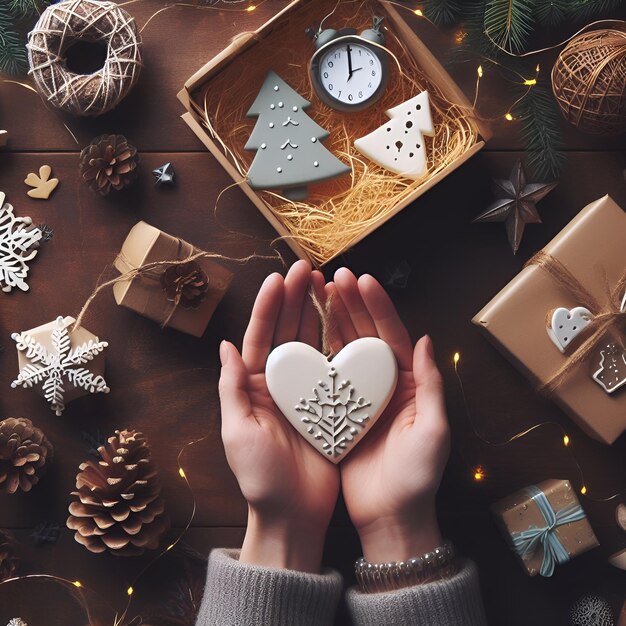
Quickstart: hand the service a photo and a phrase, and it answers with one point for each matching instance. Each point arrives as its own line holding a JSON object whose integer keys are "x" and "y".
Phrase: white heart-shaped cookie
{"x": 332, "y": 404}
{"x": 566, "y": 325}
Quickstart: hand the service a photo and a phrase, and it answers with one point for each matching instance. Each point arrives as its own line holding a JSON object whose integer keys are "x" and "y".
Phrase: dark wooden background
{"x": 165, "y": 383}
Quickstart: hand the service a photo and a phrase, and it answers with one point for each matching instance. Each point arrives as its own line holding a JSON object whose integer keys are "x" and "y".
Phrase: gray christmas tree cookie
{"x": 290, "y": 154}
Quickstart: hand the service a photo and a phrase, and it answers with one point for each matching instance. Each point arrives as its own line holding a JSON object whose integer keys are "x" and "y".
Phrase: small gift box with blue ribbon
{"x": 546, "y": 526}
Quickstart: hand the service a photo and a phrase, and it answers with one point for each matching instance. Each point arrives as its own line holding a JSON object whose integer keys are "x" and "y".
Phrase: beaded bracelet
{"x": 435, "y": 565}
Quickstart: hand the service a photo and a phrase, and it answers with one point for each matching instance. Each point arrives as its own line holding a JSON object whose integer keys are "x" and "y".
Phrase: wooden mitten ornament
{"x": 332, "y": 404}
{"x": 398, "y": 145}
{"x": 567, "y": 324}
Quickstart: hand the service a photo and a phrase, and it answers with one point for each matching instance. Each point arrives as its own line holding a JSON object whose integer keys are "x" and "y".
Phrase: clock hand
{"x": 350, "y": 70}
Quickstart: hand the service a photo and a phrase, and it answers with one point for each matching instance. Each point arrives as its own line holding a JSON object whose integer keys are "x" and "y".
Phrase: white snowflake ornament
{"x": 18, "y": 245}
{"x": 50, "y": 357}
{"x": 398, "y": 145}
{"x": 332, "y": 404}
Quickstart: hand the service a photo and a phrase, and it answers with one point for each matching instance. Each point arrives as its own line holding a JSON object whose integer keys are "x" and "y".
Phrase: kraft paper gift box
{"x": 592, "y": 247}
{"x": 43, "y": 335}
{"x": 545, "y": 525}
{"x": 144, "y": 294}
{"x": 268, "y": 36}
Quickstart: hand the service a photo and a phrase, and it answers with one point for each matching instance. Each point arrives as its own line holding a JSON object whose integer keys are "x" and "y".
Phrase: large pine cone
{"x": 8, "y": 558}
{"x": 119, "y": 507}
{"x": 185, "y": 284}
{"x": 24, "y": 454}
{"x": 109, "y": 162}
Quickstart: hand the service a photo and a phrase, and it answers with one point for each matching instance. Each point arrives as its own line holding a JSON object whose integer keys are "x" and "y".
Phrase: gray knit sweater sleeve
{"x": 238, "y": 594}
{"x": 455, "y": 601}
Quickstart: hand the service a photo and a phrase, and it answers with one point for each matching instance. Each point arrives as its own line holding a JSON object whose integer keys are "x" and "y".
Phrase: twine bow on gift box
{"x": 526, "y": 542}
{"x": 607, "y": 317}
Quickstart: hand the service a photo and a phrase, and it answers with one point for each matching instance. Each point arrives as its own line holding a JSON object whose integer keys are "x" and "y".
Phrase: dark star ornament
{"x": 164, "y": 175}
{"x": 517, "y": 206}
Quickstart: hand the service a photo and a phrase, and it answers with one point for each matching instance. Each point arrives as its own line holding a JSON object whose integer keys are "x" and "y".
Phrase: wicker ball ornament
{"x": 62, "y": 25}
{"x": 589, "y": 81}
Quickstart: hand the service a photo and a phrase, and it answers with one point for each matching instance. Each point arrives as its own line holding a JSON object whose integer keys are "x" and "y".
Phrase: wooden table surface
{"x": 165, "y": 383}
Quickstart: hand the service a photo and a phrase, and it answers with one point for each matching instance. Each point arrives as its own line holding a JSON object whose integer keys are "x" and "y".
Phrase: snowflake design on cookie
{"x": 18, "y": 245}
{"x": 334, "y": 414}
{"x": 53, "y": 369}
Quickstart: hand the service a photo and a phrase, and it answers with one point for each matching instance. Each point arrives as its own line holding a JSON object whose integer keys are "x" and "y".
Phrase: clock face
{"x": 350, "y": 73}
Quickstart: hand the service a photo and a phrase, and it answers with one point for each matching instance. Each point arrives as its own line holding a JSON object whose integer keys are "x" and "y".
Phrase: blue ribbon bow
{"x": 526, "y": 542}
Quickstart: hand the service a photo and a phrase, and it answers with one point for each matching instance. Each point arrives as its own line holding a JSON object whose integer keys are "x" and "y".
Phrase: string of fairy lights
{"x": 480, "y": 473}
{"x": 79, "y": 587}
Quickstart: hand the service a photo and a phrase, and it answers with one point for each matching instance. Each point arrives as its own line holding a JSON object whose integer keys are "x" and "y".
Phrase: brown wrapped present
{"x": 562, "y": 320}
{"x": 182, "y": 296}
{"x": 545, "y": 525}
{"x": 60, "y": 363}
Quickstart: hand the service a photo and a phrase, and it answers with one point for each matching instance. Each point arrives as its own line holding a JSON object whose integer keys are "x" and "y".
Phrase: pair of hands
{"x": 389, "y": 480}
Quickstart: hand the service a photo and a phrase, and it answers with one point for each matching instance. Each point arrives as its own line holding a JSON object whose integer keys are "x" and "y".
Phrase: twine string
{"x": 151, "y": 271}
{"x": 521, "y": 55}
{"x": 607, "y": 316}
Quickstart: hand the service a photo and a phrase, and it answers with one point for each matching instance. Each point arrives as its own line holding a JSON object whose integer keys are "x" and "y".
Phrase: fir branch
{"x": 474, "y": 42}
{"x": 509, "y": 22}
{"x": 22, "y": 9}
{"x": 12, "y": 52}
{"x": 442, "y": 12}
{"x": 541, "y": 131}
{"x": 551, "y": 12}
{"x": 581, "y": 10}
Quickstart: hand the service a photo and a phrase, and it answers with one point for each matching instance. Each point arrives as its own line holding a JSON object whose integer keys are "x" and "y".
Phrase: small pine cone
{"x": 118, "y": 505}
{"x": 24, "y": 454}
{"x": 185, "y": 284}
{"x": 109, "y": 162}
{"x": 8, "y": 557}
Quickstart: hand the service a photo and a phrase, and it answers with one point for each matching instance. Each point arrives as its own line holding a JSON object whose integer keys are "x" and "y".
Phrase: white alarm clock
{"x": 349, "y": 72}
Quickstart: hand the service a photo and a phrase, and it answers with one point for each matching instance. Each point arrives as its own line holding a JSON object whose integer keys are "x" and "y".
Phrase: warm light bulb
{"x": 583, "y": 490}
{"x": 537, "y": 68}
{"x": 77, "y": 583}
{"x": 565, "y": 440}
{"x": 459, "y": 37}
{"x": 529, "y": 82}
{"x": 508, "y": 117}
{"x": 479, "y": 473}
{"x": 130, "y": 591}
{"x": 418, "y": 12}
{"x": 181, "y": 471}
{"x": 250, "y": 8}
{"x": 456, "y": 358}
{"x": 479, "y": 71}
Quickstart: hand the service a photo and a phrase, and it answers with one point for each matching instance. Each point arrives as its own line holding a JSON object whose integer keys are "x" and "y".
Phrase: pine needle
{"x": 22, "y": 9}
{"x": 16, "y": 15}
{"x": 509, "y": 22}
{"x": 581, "y": 10}
{"x": 442, "y": 12}
{"x": 12, "y": 52}
{"x": 541, "y": 131}
{"x": 552, "y": 12}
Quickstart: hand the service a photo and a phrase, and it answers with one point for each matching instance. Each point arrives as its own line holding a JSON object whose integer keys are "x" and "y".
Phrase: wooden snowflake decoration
{"x": 52, "y": 369}
{"x": 18, "y": 245}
